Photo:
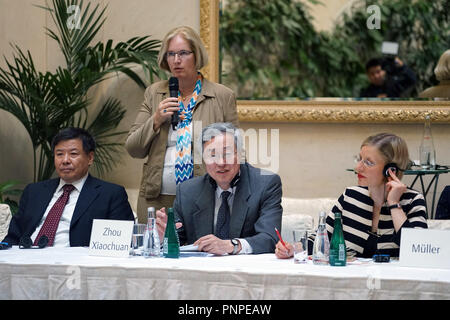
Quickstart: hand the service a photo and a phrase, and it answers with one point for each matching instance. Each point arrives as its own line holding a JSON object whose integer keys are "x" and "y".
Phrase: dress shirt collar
{"x": 77, "y": 184}
{"x": 219, "y": 191}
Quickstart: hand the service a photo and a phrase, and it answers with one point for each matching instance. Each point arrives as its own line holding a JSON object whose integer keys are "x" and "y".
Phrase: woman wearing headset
{"x": 376, "y": 210}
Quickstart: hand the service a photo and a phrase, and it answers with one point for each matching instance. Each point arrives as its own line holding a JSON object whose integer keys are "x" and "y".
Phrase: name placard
{"x": 111, "y": 238}
{"x": 425, "y": 248}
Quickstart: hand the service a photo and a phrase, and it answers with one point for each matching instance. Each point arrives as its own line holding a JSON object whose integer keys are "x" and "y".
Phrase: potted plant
{"x": 7, "y": 190}
{"x": 45, "y": 102}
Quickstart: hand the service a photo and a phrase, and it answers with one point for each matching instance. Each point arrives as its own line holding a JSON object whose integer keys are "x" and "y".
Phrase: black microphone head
{"x": 173, "y": 90}
{"x": 43, "y": 241}
{"x": 173, "y": 87}
{"x": 25, "y": 242}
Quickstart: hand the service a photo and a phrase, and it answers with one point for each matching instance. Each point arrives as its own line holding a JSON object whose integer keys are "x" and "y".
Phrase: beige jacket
{"x": 216, "y": 103}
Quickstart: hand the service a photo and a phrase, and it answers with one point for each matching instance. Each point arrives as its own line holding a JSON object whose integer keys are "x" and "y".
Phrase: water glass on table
{"x": 300, "y": 246}
{"x": 138, "y": 239}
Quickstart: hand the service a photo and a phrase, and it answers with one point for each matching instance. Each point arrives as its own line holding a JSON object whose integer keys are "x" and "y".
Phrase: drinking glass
{"x": 300, "y": 246}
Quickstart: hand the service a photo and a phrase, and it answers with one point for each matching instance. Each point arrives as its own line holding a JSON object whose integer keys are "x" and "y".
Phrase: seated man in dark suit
{"x": 63, "y": 209}
{"x": 235, "y": 207}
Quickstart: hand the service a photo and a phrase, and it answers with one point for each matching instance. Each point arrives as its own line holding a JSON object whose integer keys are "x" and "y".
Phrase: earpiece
{"x": 27, "y": 243}
{"x": 394, "y": 168}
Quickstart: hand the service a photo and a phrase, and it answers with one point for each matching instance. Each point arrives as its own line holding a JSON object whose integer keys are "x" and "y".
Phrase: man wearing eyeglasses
{"x": 234, "y": 208}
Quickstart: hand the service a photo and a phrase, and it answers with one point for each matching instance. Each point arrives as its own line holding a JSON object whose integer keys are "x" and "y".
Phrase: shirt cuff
{"x": 246, "y": 248}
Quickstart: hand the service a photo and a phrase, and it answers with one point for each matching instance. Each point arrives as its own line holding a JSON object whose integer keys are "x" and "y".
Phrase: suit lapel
{"x": 89, "y": 193}
{"x": 240, "y": 204}
{"x": 42, "y": 201}
{"x": 204, "y": 216}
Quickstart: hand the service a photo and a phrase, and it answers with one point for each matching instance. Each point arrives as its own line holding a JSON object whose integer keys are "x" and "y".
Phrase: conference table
{"x": 71, "y": 273}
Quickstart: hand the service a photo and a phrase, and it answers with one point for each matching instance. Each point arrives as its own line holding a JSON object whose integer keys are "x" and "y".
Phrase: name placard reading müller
{"x": 425, "y": 248}
{"x": 111, "y": 238}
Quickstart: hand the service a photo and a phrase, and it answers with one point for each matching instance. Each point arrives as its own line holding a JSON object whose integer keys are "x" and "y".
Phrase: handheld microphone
{"x": 26, "y": 243}
{"x": 173, "y": 90}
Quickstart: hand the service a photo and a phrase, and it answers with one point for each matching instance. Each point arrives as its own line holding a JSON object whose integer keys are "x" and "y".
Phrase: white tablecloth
{"x": 70, "y": 273}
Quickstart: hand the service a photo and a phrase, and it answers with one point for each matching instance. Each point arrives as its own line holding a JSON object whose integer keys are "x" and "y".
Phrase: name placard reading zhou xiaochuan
{"x": 111, "y": 238}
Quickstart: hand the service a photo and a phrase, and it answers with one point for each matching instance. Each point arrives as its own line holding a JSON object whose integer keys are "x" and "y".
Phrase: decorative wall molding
{"x": 314, "y": 111}
{"x": 209, "y": 33}
{"x": 344, "y": 111}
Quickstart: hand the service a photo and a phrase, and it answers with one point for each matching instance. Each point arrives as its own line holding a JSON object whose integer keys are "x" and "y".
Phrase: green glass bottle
{"x": 171, "y": 244}
{"x": 338, "y": 251}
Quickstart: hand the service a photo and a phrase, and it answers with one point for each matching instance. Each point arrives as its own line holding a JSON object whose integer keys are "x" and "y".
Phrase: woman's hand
{"x": 282, "y": 253}
{"x": 395, "y": 189}
{"x": 165, "y": 110}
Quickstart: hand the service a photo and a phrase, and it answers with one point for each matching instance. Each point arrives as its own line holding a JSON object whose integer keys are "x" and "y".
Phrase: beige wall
{"x": 326, "y": 14}
{"x": 22, "y": 23}
{"x": 312, "y": 157}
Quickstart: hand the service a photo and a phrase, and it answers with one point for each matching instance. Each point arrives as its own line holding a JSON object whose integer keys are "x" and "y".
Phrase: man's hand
{"x": 398, "y": 62}
{"x": 161, "y": 222}
{"x": 211, "y": 244}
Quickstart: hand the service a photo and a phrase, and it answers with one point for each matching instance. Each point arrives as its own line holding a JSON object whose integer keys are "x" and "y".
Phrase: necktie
{"x": 54, "y": 215}
{"x": 223, "y": 218}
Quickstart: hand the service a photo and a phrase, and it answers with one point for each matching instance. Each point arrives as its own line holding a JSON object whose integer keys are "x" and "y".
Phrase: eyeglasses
{"x": 212, "y": 156}
{"x": 366, "y": 163}
{"x": 183, "y": 54}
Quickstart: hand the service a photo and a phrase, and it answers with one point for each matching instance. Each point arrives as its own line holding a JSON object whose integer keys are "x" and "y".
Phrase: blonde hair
{"x": 195, "y": 44}
{"x": 392, "y": 148}
{"x": 442, "y": 70}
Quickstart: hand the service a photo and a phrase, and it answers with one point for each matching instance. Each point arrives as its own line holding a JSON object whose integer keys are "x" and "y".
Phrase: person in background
{"x": 389, "y": 78}
{"x": 442, "y": 73}
{"x": 63, "y": 209}
{"x": 234, "y": 208}
{"x": 376, "y": 210}
{"x": 171, "y": 154}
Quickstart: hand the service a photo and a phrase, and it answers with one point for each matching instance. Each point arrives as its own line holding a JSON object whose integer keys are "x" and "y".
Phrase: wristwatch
{"x": 235, "y": 243}
{"x": 395, "y": 206}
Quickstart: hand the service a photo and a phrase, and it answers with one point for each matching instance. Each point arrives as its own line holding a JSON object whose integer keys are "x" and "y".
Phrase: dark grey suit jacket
{"x": 98, "y": 200}
{"x": 255, "y": 214}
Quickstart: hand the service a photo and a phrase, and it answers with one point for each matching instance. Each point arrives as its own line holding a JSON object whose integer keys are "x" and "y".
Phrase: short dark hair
{"x": 373, "y": 63}
{"x": 75, "y": 133}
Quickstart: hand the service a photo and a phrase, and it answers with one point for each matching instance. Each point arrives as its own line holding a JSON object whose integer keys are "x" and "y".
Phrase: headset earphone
{"x": 27, "y": 243}
{"x": 394, "y": 168}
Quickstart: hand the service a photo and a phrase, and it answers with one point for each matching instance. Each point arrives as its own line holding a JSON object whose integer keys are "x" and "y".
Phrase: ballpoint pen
{"x": 281, "y": 239}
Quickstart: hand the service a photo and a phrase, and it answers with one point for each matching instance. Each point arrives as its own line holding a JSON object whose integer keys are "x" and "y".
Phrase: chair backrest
{"x": 5, "y": 219}
{"x": 302, "y": 214}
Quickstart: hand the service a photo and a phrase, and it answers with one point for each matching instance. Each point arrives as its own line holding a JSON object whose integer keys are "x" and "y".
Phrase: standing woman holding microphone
{"x": 174, "y": 154}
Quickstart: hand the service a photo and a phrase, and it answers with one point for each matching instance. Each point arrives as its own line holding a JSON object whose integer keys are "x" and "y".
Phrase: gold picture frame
{"x": 323, "y": 110}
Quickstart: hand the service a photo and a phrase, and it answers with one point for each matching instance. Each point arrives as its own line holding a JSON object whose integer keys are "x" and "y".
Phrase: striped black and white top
{"x": 357, "y": 209}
